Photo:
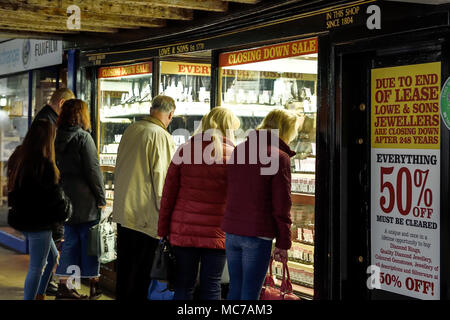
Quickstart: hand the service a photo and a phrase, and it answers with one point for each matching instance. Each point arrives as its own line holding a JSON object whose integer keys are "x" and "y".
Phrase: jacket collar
{"x": 281, "y": 144}
{"x": 155, "y": 121}
{"x": 224, "y": 139}
{"x": 284, "y": 147}
{"x": 50, "y": 109}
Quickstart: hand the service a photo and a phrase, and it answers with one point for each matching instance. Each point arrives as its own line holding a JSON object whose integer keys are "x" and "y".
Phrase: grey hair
{"x": 163, "y": 103}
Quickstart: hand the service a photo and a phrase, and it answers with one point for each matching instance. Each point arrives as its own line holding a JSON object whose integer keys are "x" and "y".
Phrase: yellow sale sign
{"x": 405, "y": 107}
{"x": 405, "y": 179}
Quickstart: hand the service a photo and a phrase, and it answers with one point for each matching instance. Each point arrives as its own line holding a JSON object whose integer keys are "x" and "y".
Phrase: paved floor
{"x": 13, "y": 270}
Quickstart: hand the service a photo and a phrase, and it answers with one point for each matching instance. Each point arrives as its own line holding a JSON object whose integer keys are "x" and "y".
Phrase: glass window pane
{"x": 125, "y": 96}
{"x": 44, "y": 84}
{"x": 189, "y": 84}
{"x": 13, "y": 123}
{"x": 283, "y": 76}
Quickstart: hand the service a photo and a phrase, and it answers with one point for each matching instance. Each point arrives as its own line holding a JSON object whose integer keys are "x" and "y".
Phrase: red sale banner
{"x": 405, "y": 175}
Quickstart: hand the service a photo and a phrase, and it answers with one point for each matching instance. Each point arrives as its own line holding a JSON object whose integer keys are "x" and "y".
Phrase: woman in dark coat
{"x": 37, "y": 203}
{"x": 82, "y": 180}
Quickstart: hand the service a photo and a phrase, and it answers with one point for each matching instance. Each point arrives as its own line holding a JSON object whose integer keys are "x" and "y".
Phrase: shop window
{"x": 252, "y": 83}
{"x": 13, "y": 127}
{"x": 124, "y": 97}
{"x": 189, "y": 84}
{"x": 45, "y": 82}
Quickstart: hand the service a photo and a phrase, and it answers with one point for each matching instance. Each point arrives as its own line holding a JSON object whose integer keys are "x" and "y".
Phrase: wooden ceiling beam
{"x": 58, "y": 24}
{"x": 88, "y": 18}
{"x": 33, "y": 29}
{"x": 49, "y": 28}
{"x": 87, "y": 21}
{"x": 101, "y": 7}
{"x": 206, "y": 5}
{"x": 28, "y": 35}
{"x": 244, "y": 1}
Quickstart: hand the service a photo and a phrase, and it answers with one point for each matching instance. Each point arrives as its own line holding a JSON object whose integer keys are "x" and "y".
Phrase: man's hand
{"x": 280, "y": 255}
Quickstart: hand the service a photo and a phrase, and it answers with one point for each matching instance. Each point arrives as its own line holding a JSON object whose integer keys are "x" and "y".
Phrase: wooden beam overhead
{"x": 28, "y": 35}
{"x": 118, "y": 20}
{"x": 101, "y": 7}
{"x": 59, "y": 24}
{"x": 244, "y": 1}
{"x": 206, "y": 5}
{"x": 49, "y": 17}
{"x": 33, "y": 29}
{"x": 88, "y": 20}
{"x": 25, "y": 25}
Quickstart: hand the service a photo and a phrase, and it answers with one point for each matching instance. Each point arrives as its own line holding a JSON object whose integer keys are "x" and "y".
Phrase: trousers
{"x": 135, "y": 254}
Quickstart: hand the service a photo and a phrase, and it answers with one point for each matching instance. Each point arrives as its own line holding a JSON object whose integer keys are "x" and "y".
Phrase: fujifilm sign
{"x": 26, "y": 54}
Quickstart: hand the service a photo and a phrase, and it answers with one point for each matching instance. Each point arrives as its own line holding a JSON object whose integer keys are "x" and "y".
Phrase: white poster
{"x": 405, "y": 179}
{"x": 26, "y": 54}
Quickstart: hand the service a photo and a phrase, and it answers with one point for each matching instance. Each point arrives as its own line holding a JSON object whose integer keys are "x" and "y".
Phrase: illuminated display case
{"x": 125, "y": 95}
{"x": 21, "y": 97}
{"x": 189, "y": 84}
{"x": 14, "y": 122}
{"x": 252, "y": 83}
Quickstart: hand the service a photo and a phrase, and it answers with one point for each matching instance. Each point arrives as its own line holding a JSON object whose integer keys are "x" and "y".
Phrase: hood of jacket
{"x": 64, "y": 136}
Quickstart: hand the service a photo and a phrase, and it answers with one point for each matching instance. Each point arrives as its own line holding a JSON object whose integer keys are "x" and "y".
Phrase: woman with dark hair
{"x": 37, "y": 203}
{"x": 82, "y": 180}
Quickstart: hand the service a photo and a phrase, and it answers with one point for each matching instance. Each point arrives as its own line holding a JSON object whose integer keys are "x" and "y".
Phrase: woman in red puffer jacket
{"x": 193, "y": 204}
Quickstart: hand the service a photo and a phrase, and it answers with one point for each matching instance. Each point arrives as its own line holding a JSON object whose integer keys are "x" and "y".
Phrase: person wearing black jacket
{"x": 82, "y": 180}
{"x": 51, "y": 112}
{"x": 37, "y": 203}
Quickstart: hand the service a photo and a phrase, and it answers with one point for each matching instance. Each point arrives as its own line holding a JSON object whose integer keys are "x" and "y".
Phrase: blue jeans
{"x": 74, "y": 252}
{"x": 211, "y": 261}
{"x": 43, "y": 254}
{"x": 248, "y": 259}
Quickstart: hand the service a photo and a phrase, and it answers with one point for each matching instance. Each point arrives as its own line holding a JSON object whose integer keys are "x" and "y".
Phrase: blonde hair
{"x": 219, "y": 122}
{"x": 287, "y": 123}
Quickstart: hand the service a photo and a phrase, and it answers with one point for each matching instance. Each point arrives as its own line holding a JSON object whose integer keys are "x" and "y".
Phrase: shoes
{"x": 95, "y": 291}
{"x": 40, "y": 297}
{"x": 65, "y": 293}
{"x": 52, "y": 288}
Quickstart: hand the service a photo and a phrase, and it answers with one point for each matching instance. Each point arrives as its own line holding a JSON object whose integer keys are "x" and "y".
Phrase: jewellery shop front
{"x": 366, "y": 179}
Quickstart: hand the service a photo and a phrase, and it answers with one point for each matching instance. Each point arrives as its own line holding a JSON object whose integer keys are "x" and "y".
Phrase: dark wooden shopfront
{"x": 353, "y": 38}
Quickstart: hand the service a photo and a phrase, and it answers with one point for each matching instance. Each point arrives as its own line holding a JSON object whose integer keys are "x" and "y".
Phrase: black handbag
{"x": 94, "y": 238}
{"x": 93, "y": 248}
{"x": 163, "y": 267}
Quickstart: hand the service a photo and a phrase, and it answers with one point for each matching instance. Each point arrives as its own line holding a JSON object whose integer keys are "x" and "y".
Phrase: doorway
{"x": 391, "y": 164}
